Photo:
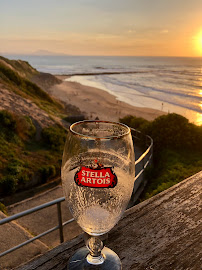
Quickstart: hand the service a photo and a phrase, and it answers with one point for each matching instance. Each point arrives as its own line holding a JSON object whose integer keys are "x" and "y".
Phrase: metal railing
{"x": 148, "y": 152}
{"x": 145, "y": 158}
{"x": 35, "y": 209}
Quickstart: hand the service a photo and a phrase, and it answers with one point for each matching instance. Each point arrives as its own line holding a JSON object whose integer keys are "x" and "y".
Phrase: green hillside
{"x": 14, "y": 76}
{"x": 27, "y": 160}
{"x": 177, "y": 152}
{"x": 23, "y": 68}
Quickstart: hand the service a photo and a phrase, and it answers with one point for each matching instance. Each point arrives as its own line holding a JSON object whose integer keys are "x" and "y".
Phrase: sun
{"x": 198, "y": 42}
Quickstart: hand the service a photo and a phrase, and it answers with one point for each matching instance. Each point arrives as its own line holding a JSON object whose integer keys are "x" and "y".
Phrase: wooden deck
{"x": 162, "y": 233}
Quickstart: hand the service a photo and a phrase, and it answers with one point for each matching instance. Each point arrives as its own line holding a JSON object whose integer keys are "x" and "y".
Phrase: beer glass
{"x": 98, "y": 171}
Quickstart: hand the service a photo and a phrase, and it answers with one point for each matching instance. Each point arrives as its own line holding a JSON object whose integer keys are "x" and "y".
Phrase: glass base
{"x": 79, "y": 261}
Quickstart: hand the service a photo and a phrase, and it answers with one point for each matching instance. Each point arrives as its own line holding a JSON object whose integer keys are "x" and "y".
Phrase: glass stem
{"x": 95, "y": 246}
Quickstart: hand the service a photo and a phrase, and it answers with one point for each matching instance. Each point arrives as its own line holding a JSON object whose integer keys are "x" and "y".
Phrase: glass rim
{"x": 128, "y": 130}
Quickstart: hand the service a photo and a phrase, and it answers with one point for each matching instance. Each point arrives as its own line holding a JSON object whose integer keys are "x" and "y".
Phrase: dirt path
{"x": 45, "y": 219}
{"x": 13, "y": 234}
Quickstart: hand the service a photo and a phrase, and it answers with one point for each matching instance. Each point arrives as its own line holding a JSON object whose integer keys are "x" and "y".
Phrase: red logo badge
{"x": 100, "y": 177}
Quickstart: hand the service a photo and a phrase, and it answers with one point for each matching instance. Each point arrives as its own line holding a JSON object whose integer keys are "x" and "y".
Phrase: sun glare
{"x": 198, "y": 41}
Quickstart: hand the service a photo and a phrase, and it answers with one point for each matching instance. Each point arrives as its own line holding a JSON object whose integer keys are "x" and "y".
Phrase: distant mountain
{"x": 47, "y": 53}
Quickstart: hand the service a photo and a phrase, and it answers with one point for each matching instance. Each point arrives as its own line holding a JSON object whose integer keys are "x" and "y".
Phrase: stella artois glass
{"x": 98, "y": 171}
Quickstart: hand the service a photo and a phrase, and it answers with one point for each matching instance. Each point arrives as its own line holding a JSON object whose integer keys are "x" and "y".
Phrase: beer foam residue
{"x": 95, "y": 213}
{"x": 94, "y": 220}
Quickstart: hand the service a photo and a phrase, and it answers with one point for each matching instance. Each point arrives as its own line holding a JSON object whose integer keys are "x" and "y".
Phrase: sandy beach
{"x": 94, "y": 102}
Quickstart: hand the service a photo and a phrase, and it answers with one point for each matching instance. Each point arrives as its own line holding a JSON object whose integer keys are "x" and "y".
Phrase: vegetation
{"x": 177, "y": 150}
{"x": 75, "y": 118}
{"x": 54, "y": 137}
{"x": 23, "y": 68}
{"x": 28, "y": 155}
{"x": 27, "y": 89}
{"x": 22, "y": 158}
{"x": 3, "y": 208}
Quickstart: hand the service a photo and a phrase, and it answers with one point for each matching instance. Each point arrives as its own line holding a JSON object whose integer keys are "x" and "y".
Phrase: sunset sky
{"x": 105, "y": 27}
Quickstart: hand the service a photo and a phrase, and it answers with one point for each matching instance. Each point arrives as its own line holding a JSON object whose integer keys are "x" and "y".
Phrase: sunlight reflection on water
{"x": 198, "y": 120}
{"x": 194, "y": 117}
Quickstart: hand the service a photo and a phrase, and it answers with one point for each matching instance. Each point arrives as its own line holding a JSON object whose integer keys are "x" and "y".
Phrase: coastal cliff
{"x": 20, "y": 95}
{"x": 32, "y": 127}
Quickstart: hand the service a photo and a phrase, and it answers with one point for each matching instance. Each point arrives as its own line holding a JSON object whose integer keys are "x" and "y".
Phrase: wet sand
{"x": 94, "y": 102}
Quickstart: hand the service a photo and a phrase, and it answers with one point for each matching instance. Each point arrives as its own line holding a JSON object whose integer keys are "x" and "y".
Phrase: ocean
{"x": 170, "y": 84}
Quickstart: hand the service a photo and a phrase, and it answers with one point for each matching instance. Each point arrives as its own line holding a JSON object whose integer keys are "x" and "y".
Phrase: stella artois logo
{"x": 96, "y": 176}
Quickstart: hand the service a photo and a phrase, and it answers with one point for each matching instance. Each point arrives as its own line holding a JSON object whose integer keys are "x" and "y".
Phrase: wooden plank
{"x": 162, "y": 233}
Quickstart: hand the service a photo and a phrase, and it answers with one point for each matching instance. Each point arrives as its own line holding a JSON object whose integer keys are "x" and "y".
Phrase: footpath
{"x": 31, "y": 225}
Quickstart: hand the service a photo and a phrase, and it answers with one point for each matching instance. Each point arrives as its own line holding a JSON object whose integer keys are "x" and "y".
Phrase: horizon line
{"x": 63, "y": 54}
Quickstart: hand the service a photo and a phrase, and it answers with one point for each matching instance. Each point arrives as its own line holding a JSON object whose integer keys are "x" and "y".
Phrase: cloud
{"x": 164, "y": 31}
{"x": 106, "y": 36}
{"x": 131, "y": 31}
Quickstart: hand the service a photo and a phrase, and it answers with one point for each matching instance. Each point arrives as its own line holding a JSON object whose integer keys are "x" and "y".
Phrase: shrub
{"x": 171, "y": 131}
{"x": 31, "y": 127}
{"x": 74, "y": 118}
{"x": 7, "y": 120}
{"x": 6, "y": 151}
{"x": 23, "y": 177}
{"x": 177, "y": 150}
{"x": 14, "y": 167}
{"x": 47, "y": 172}
{"x": 8, "y": 184}
{"x": 11, "y": 75}
{"x": 3, "y": 208}
{"x": 135, "y": 122}
{"x": 54, "y": 137}
{"x": 25, "y": 128}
